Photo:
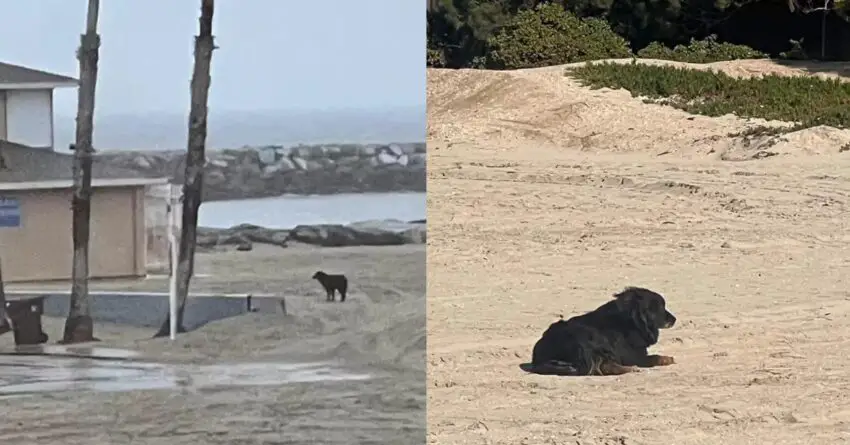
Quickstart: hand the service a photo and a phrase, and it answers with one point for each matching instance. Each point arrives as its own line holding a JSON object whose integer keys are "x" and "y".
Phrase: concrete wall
{"x": 40, "y": 249}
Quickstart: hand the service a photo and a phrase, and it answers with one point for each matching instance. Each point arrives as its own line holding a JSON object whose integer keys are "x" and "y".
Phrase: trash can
{"x": 26, "y": 320}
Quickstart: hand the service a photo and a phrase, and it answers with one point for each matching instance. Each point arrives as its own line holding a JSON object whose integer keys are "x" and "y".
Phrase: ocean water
{"x": 284, "y": 212}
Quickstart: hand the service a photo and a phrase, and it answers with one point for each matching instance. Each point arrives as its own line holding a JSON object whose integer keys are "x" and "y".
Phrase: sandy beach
{"x": 545, "y": 198}
{"x": 379, "y": 331}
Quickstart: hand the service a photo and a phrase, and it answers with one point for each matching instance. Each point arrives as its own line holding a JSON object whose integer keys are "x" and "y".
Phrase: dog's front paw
{"x": 665, "y": 360}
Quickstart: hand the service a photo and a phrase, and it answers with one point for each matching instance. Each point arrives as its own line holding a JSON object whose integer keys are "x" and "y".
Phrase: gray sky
{"x": 273, "y": 55}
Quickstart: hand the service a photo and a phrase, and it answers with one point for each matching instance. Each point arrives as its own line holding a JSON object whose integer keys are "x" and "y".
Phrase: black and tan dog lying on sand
{"x": 332, "y": 283}
{"x": 611, "y": 340}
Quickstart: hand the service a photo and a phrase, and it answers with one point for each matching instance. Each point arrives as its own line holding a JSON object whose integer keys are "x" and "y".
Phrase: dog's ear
{"x": 626, "y": 299}
{"x": 629, "y": 301}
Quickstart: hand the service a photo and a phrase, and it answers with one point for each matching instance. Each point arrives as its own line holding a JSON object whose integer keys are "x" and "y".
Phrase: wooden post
{"x": 195, "y": 160}
{"x": 79, "y": 326}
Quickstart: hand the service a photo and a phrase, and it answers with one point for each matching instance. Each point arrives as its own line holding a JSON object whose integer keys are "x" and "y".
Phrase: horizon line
{"x": 267, "y": 111}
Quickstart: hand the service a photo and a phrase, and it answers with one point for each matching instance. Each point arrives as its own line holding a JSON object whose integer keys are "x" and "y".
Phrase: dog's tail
{"x": 552, "y": 367}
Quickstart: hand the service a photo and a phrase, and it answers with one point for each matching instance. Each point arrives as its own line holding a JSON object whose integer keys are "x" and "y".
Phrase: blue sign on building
{"x": 10, "y": 212}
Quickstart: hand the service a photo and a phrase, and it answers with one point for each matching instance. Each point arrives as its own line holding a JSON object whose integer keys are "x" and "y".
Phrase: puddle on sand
{"x": 92, "y": 352}
{"x": 31, "y": 374}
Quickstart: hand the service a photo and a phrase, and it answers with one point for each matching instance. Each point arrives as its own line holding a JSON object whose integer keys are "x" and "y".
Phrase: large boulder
{"x": 242, "y": 236}
{"x": 365, "y": 233}
{"x": 412, "y": 232}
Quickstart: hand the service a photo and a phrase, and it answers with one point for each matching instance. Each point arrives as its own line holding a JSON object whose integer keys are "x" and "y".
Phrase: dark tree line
{"x": 459, "y": 30}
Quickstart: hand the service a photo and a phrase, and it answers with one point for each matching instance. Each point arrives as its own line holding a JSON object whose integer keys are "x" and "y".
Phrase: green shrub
{"x": 700, "y": 51}
{"x": 549, "y": 35}
{"x": 796, "y": 52}
{"x": 808, "y": 101}
{"x": 435, "y": 58}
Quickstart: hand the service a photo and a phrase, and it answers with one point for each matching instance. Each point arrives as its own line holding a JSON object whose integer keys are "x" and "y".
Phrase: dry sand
{"x": 380, "y": 330}
{"x": 545, "y": 198}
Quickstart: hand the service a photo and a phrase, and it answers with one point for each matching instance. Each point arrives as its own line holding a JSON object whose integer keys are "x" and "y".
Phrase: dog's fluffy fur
{"x": 332, "y": 283}
{"x": 611, "y": 340}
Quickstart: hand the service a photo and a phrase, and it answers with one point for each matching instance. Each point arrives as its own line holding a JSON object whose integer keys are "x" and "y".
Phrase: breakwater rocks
{"x": 366, "y": 233}
{"x": 257, "y": 172}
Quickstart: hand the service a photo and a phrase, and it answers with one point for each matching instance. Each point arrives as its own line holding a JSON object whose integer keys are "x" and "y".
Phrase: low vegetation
{"x": 434, "y": 58}
{"x": 806, "y": 101}
{"x": 700, "y": 51}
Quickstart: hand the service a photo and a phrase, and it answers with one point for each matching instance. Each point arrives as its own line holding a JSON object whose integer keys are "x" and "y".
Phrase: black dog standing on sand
{"x": 332, "y": 283}
{"x": 611, "y": 340}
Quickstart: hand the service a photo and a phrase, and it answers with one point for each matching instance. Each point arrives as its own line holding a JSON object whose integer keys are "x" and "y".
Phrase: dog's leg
{"x": 656, "y": 360}
{"x": 342, "y": 295}
{"x": 594, "y": 367}
{"x": 610, "y": 368}
{"x": 552, "y": 367}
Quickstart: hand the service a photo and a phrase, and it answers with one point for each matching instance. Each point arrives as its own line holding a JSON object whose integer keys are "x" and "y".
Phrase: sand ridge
{"x": 544, "y": 107}
{"x": 527, "y": 223}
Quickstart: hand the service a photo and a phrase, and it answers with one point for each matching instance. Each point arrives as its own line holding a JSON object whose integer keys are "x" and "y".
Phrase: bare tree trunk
{"x": 195, "y": 160}
{"x": 79, "y": 326}
{"x": 5, "y": 322}
{"x": 823, "y": 30}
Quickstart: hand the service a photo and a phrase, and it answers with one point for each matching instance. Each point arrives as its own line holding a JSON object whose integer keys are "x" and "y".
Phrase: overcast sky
{"x": 273, "y": 55}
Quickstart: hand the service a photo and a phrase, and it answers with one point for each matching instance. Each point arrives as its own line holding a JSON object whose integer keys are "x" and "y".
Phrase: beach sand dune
{"x": 545, "y": 198}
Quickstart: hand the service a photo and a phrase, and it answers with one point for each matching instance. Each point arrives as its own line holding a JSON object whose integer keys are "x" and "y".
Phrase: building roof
{"x": 32, "y": 168}
{"x": 16, "y": 75}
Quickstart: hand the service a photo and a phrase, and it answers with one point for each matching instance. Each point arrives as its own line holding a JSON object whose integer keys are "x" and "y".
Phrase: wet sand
{"x": 379, "y": 331}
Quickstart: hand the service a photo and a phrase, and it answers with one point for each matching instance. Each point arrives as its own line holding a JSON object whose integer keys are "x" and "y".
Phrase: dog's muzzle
{"x": 669, "y": 321}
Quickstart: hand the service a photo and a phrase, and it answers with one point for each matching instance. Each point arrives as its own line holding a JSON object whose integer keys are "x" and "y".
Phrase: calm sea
{"x": 283, "y": 212}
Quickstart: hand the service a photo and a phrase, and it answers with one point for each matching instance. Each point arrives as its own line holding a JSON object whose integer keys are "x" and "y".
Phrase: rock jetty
{"x": 366, "y": 233}
{"x": 256, "y": 172}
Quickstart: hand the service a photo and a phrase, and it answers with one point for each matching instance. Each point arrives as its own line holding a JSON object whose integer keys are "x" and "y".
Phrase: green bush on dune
{"x": 548, "y": 35}
{"x": 700, "y": 51}
{"x": 434, "y": 58}
{"x": 807, "y": 101}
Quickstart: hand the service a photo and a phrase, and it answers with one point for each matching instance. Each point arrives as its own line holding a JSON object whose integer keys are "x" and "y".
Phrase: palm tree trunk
{"x": 5, "y": 321}
{"x": 79, "y": 326}
{"x": 195, "y": 160}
